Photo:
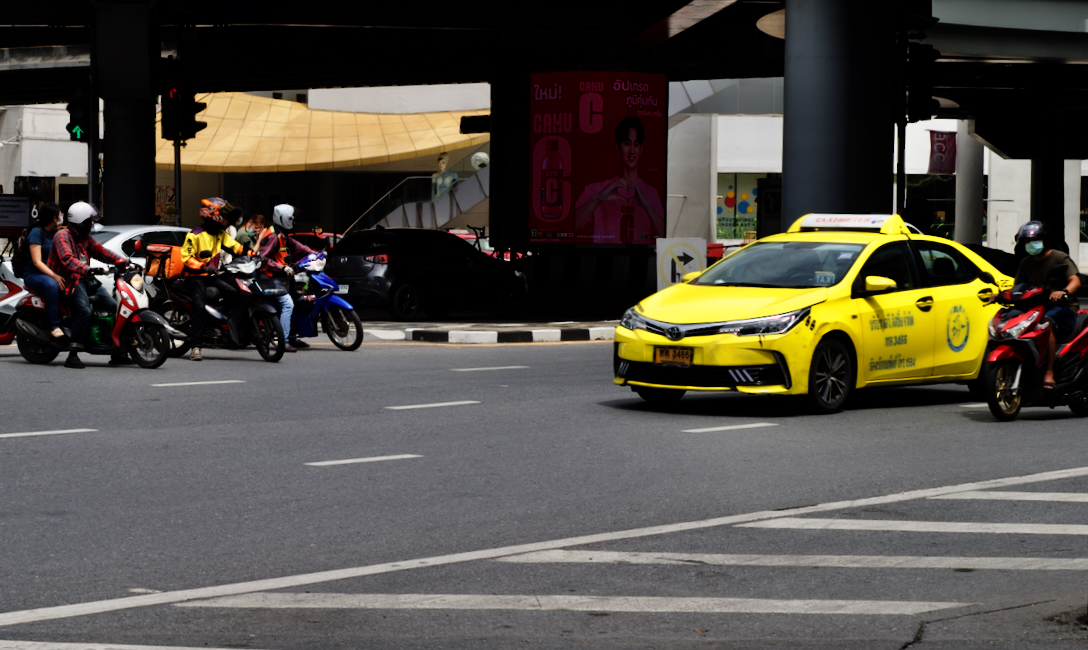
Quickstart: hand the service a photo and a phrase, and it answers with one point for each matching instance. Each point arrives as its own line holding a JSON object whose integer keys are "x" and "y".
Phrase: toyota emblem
{"x": 674, "y": 333}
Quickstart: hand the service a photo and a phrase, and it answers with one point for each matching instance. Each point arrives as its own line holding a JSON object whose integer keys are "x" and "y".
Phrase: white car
{"x": 132, "y": 241}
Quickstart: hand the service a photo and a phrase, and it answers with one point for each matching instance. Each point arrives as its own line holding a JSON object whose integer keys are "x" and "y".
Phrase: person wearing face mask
{"x": 73, "y": 248}
{"x": 279, "y": 250}
{"x": 1035, "y": 269}
{"x": 38, "y": 277}
{"x": 200, "y": 255}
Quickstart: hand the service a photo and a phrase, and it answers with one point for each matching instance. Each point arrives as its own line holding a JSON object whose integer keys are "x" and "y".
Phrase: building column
{"x": 969, "y": 177}
{"x": 693, "y": 178}
{"x": 123, "y": 62}
{"x": 1048, "y": 196}
{"x": 1071, "y": 180}
{"x": 839, "y": 93}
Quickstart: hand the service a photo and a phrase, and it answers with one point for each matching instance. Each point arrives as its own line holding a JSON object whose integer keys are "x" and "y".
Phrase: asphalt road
{"x": 539, "y": 506}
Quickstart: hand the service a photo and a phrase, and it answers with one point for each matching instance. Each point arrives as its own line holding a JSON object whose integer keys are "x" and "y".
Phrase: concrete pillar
{"x": 838, "y": 107}
{"x": 510, "y": 101}
{"x": 969, "y": 177}
{"x": 1009, "y": 203}
{"x": 1071, "y": 181}
{"x": 693, "y": 178}
{"x": 1048, "y": 197}
{"x": 122, "y": 59}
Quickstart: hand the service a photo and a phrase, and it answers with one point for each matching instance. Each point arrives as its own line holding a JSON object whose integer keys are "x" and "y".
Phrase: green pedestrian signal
{"x": 78, "y": 132}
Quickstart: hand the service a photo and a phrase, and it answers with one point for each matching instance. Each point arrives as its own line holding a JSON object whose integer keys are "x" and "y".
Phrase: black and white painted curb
{"x": 544, "y": 335}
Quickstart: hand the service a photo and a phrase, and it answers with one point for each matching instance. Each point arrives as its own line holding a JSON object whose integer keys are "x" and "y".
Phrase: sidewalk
{"x": 489, "y": 332}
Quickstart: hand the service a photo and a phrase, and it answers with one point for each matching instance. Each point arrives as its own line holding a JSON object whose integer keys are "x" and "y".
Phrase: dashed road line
{"x": 200, "y": 383}
{"x": 493, "y": 368}
{"x": 808, "y": 561}
{"x": 986, "y": 495}
{"x": 351, "y": 461}
{"x": 975, "y": 405}
{"x": 57, "y": 432}
{"x": 45, "y": 645}
{"x": 431, "y": 406}
{"x": 575, "y": 604}
{"x": 797, "y": 523}
{"x": 732, "y": 427}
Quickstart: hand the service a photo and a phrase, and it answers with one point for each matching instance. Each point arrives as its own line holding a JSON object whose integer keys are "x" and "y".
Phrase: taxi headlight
{"x": 779, "y": 324}
{"x": 632, "y": 320}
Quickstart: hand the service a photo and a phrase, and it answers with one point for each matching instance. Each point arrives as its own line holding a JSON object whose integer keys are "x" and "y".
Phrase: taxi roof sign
{"x": 885, "y": 224}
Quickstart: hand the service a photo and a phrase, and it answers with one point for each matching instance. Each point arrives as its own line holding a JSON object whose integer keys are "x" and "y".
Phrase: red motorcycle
{"x": 1016, "y": 356}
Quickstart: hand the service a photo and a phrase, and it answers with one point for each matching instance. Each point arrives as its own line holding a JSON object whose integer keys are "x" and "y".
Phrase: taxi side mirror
{"x": 878, "y": 284}
{"x": 987, "y": 277}
{"x": 688, "y": 277}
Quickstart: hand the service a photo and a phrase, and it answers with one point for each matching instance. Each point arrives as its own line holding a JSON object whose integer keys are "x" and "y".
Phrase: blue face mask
{"x": 1034, "y": 247}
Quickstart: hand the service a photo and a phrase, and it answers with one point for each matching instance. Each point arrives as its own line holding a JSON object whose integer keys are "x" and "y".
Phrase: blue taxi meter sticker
{"x": 846, "y": 221}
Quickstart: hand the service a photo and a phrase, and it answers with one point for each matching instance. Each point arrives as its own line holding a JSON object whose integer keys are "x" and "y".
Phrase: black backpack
{"x": 20, "y": 254}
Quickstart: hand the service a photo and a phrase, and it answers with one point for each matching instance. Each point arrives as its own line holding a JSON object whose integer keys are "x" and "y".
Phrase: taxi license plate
{"x": 680, "y": 357}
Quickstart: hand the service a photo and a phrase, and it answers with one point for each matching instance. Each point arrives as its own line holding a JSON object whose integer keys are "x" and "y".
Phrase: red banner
{"x": 942, "y": 152}
{"x": 598, "y": 142}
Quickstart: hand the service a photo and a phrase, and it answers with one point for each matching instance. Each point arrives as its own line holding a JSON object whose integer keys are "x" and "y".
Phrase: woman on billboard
{"x": 624, "y": 209}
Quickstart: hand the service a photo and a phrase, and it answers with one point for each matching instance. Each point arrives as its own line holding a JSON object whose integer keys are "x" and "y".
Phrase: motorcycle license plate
{"x": 343, "y": 289}
{"x": 679, "y": 357}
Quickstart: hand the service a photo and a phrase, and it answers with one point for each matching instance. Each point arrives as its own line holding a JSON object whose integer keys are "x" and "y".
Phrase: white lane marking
{"x": 350, "y": 461}
{"x": 921, "y": 526}
{"x": 45, "y": 645}
{"x": 1065, "y": 497}
{"x": 431, "y": 406}
{"x": 575, "y": 604}
{"x": 826, "y": 561}
{"x": 305, "y": 579}
{"x": 492, "y": 368}
{"x": 201, "y": 383}
{"x": 976, "y": 405}
{"x": 58, "y": 432}
{"x": 732, "y": 427}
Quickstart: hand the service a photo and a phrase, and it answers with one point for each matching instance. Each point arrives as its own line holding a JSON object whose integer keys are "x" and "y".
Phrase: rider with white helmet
{"x": 279, "y": 250}
{"x": 73, "y": 248}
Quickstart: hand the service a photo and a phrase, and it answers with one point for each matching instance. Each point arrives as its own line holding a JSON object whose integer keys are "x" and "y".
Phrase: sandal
{"x": 1049, "y": 385}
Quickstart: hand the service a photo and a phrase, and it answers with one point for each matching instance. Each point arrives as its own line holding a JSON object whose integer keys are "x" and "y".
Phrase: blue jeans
{"x": 79, "y": 307}
{"x": 287, "y": 307}
{"x": 46, "y": 287}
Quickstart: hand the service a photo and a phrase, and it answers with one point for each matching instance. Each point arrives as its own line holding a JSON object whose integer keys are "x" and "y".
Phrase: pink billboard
{"x": 598, "y": 143}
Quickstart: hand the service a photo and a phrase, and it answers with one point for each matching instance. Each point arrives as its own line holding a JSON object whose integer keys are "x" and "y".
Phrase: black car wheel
{"x": 406, "y": 303}
{"x": 831, "y": 376}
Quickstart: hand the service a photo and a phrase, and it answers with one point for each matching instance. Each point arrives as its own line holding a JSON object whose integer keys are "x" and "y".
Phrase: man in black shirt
{"x": 1035, "y": 269}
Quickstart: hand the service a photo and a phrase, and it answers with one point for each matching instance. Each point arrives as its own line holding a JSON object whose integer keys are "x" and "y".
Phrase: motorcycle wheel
{"x": 1003, "y": 404}
{"x": 148, "y": 346}
{"x": 33, "y": 351}
{"x": 344, "y": 327}
{"x": 268, "y": 336}
{"x": 179, "y": 320}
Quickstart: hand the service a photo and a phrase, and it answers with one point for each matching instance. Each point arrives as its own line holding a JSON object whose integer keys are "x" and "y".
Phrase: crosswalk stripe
{"x": 46, "y": 645}
{"x": 732, "y": 427}
{"x": 824, "y": 561}
{"x": 573, "y": 604}
{"x": 1065, "y": 497}
{"x": 797, "y": 523}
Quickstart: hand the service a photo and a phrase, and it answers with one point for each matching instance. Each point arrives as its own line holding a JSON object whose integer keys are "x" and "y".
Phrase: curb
{"x": 512, "y": 336}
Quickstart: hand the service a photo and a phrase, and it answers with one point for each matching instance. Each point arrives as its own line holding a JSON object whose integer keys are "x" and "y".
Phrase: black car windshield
{"x": 784, "y": 265}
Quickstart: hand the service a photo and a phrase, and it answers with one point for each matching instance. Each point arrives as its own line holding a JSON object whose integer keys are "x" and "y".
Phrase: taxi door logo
{"x": 958, "y": 328}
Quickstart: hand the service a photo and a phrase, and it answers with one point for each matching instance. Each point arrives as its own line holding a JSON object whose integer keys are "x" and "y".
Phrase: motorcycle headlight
{"x": 1016, "y": 330}
{"x": 137, "y": 282}
{"x": 778, "y": 324}
{"x": 632, "y": 320}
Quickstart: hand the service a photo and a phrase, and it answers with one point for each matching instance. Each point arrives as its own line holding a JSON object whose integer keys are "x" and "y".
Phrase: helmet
{"x": 1030, "y": 231}
{"x": 283, "y": 215}
{"x": 81, "y": 211}
{"x": 218, "y": 210}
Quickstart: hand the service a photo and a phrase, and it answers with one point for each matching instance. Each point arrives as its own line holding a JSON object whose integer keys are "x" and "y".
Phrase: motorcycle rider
{"x": 280, "y": 250}
{"x": 200, "y": 255}
{"x": 72, "y": 249}
{"x": 1035, "y": 269}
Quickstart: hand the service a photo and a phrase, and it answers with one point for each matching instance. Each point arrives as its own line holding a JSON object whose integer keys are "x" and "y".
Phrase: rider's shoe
{"x": 73, "y": 361}
{"x": 289, "y": 348}
{"x": 195, "y": 355}
{"x": 298, "y": 343}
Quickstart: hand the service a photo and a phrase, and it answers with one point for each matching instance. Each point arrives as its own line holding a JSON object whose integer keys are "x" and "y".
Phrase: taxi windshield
{"x": 784, "y": 265}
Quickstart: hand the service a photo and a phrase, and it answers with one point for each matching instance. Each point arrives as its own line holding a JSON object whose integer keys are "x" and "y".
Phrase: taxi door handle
{"x": 985, "y": 295}
{"x": 925, "y": 304}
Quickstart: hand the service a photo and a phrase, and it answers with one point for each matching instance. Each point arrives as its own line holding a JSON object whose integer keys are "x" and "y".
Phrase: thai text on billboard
{"x": 598, "y": 143}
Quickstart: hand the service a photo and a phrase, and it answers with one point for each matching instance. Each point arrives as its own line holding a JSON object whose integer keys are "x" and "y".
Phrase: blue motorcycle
{"x": 319, "y": 302}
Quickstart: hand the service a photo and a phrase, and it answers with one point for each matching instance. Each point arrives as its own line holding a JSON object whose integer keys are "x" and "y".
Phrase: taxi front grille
{"x": 700, "y": 376}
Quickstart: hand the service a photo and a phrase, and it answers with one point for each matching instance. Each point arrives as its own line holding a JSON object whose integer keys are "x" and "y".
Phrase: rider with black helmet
{"x": 1035, "y": 269}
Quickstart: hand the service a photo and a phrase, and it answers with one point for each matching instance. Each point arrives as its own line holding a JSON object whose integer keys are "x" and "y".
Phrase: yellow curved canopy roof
{"x": 247, "y": 133}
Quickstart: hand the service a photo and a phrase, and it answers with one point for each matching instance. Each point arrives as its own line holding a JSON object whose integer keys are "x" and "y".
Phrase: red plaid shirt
{"x": 70, "y": 256}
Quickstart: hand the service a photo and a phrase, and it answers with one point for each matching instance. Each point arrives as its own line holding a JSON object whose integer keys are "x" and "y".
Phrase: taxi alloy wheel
{"x": 830, "y": 376}
{"x": 1004, "y": 402}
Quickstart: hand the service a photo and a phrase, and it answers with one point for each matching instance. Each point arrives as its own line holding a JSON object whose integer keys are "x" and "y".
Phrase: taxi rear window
{"x": 784, "y": 265}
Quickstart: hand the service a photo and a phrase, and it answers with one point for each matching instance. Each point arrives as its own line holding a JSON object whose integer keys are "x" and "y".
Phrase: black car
{"x": 412, "y": 271}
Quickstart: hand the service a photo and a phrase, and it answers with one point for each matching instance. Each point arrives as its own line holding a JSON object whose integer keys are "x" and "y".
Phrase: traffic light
{"x": 82, "y": 114}
{"x": 919, "y": 81}
{"x": 179, "y": 111}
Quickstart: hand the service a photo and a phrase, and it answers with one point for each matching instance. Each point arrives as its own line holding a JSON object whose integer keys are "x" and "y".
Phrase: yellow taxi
{"x": 836, "y": 303}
